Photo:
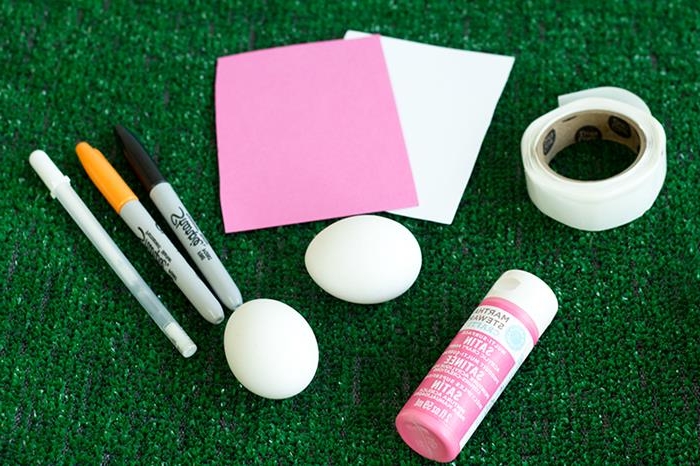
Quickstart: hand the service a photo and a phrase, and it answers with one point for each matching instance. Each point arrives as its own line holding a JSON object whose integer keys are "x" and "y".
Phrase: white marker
{"x": 60, "y": 188}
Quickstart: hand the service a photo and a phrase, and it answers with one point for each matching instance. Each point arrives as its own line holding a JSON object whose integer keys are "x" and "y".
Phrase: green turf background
{"x": 86, "y": 378}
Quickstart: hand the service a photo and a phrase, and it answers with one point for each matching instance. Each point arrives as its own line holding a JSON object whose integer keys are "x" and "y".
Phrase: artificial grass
{"x": 89, "y": 379}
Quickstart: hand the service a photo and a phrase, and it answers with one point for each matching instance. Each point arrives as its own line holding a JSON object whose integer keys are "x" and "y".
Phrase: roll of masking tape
{"x": 606, "y": 113}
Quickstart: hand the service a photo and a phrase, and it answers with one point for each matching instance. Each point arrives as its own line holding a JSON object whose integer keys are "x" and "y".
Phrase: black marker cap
{"x": 142, "y": 164}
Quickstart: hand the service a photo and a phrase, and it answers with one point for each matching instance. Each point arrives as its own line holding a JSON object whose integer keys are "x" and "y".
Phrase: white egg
{"x": 270, "y": 348}
{"x": 366, "y": 259}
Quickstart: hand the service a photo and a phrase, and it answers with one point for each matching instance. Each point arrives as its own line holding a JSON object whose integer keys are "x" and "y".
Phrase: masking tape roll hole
{"x": 600, "y": 204}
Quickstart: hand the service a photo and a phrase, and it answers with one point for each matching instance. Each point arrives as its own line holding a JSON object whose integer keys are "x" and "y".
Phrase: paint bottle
{"x": 471, "y": 373}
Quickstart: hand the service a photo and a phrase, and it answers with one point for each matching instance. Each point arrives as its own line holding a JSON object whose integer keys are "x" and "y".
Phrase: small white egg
{"x": 270, "y": 348}
{"x": 366, "y": 259}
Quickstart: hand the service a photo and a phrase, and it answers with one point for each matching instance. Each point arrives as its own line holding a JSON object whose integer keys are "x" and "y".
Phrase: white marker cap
{"x": 47, "y": 170}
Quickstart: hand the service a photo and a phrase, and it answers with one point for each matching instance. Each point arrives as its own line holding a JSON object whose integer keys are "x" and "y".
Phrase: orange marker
{"x": 126, "y": 204}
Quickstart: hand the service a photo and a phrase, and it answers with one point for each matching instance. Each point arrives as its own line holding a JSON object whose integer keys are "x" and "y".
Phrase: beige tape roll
{"x": 603, "y": 113}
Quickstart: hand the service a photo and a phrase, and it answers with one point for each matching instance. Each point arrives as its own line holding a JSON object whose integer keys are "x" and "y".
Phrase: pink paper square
{"x": 308, "y": 132}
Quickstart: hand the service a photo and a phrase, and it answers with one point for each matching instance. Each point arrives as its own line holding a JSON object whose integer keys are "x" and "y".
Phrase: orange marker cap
{"x": 105, "y": 177}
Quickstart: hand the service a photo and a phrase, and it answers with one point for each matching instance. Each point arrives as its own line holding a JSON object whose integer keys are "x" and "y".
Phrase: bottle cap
{"x": 529, "y": 293}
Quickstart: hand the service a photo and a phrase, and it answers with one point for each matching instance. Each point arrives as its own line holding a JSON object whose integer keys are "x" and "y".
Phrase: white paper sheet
{"x": 445, "y": 99}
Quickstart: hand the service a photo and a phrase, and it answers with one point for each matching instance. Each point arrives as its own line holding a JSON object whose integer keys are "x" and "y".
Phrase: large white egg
{"x": 366, "y": 259}
{"x": 270, "y": 348}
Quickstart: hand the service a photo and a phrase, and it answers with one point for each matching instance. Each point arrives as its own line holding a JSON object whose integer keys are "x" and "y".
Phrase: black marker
{"x": 176, "y": 215}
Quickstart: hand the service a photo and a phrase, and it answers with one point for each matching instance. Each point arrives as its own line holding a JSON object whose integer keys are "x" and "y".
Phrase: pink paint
{"x": 471, "y": 373}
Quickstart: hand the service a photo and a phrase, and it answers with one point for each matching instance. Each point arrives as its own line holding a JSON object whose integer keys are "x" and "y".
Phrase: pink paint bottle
{"x": 455, "y": 396}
